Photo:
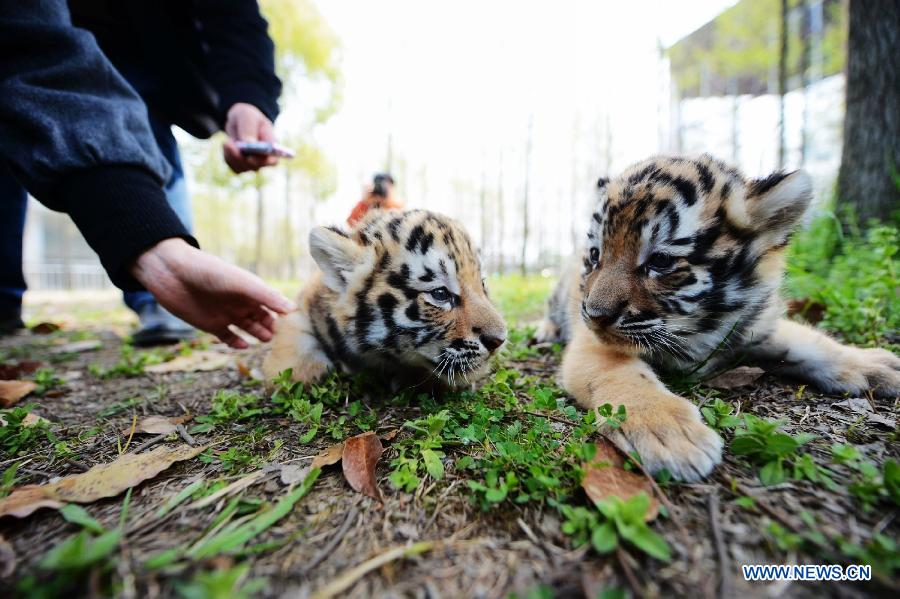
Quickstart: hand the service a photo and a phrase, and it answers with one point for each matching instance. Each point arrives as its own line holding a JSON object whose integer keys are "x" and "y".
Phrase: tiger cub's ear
{"x": 777, "y": 203}
{"x": 336, "y": 254}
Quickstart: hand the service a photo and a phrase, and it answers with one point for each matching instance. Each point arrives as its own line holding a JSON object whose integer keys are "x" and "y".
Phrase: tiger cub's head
{"x": 410, "y": 289}
{"x": 685, "y": 253}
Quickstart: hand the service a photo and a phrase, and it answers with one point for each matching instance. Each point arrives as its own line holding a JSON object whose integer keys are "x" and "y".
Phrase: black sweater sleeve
{"x": 241, "y": 55}
{"x": 76, "y": 135}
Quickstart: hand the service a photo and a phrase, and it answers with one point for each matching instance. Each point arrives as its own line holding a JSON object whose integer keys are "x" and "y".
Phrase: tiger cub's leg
{"x": 664, "y": 429}
{"x": 805, "y": 353}
{"x": 296, "y": 347}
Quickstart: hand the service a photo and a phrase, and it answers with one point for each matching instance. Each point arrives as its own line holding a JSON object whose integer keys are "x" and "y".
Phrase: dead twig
{"x": 718, "y": 539}
{"x": 629, "y": 573}
{"x": 332, "y": 544}
{"x": 181, "y": 430}
{"x": 348, "y": 578}
{"x": 551, "y": 417}
{"x": 150, "y": 442}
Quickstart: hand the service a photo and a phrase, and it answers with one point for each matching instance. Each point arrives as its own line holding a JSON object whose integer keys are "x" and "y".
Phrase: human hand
{"x": 208, "y": 292}
{"x": 245, "y": 122}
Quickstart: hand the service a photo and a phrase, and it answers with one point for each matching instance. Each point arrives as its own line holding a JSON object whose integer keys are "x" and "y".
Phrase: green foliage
{"x": 720, "y": 415}
{"x": 131, "y": 364}
{"x": 46, "y": 380}
{"x": 229, "y": 406}
{"x": 520, "y": 299}
{"x": 614, "y": 521}
{"x": 8, "y": 479}
{"x": 868, "y": 484}
{"x": 764, "y": 444}
{"x": 229, "y": 583}
{"x": 17, "y": 437}
{"x": 853, "y": 274}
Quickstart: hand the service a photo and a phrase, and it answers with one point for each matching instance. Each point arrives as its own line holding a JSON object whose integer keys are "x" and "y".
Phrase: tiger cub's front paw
{"x": 861, "y": 370}
{"x": 668, "y": 433}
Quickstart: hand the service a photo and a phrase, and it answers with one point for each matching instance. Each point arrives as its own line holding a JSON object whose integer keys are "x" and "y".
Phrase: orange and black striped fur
{"x": 683, "y": 263}
{"x": 400, "y": 292}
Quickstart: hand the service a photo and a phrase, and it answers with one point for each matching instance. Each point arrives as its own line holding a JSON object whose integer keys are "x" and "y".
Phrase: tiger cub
{"x": 401, "y": 293}
{"x": 683, "y": 263}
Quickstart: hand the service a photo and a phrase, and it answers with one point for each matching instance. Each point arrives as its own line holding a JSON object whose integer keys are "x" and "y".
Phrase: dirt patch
{"x": 510, "y": 548}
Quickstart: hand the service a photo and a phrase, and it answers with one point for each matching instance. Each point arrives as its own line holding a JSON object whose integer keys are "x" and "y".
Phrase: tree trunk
{"x": 501, "y": 219}
{"x": 289, "y": 226}
{"x": 871, "y": 154}
{"x": 805, "y": 53}
{"x": 257, "y": 254}
{"x": 525, "y": 192}
{"x": 782, "y": 80}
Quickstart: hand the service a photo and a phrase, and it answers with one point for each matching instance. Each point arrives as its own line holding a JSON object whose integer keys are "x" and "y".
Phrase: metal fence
{"x": 61, "y": 276}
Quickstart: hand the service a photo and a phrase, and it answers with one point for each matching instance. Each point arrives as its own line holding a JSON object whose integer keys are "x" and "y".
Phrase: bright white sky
{"x": 455, "y": 84}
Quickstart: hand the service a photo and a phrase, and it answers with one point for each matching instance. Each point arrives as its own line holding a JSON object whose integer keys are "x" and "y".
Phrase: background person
{"x": 204, "y": 66}
{"x": 74, "y": 133}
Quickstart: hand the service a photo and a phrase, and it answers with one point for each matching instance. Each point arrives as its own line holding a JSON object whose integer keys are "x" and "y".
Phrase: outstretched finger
{"x": 257, "y": 330}
{"x": 231, "y": 340}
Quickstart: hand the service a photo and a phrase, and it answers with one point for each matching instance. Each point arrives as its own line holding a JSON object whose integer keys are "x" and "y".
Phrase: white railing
{"x": 59, "y": 276}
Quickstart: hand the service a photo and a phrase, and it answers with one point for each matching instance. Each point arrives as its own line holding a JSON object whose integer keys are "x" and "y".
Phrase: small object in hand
{"x": 263, "y": 148}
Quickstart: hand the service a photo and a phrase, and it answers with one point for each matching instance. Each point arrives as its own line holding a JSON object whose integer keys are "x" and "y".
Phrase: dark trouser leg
{"x": 13, "y": 202}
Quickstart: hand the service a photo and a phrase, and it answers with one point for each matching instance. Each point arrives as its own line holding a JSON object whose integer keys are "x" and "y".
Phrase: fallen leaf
{"x": 389, "y": 436}
{"x": 77, "y": 347}
{"x": 200, "y": 360}
{"x": 330, "y": 456}
{"x": 9, "y": 372}
{"x": 244, "y": 370}
{"x": 157, "y": 425}
{"x": 359, "y": 458}
{"x": 103, "y": 480}
{"x": 860, "y": 405}
{"x": 604, "y": 476}
{"x": 292, "y": 474}
{"x": 12, "y": 391}
{"x": 45, "y": 328}
{"x": 29, "y": 420}
{"x": 738, "y": 377}
{"x": 7, "y": 558}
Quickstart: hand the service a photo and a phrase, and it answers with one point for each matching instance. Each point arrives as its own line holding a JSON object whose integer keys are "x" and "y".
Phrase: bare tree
{"x": 526, "y": 191}
{"x": 872, "y": 122}
{"x": 782, "y": 80}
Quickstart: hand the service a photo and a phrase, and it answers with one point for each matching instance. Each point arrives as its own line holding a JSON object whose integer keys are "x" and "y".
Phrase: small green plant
{"x": 230, "y": 583}
{"x": 131, "y": 364}
{"x": 46, "y": 380}
{"x": 229, "y": 406}
{"x": 17, "y": 436}
{"x": 762, "y": 442}
{"x": 720, "y": 415}
{"x": 8, "y": 479}
{"x": 613, "y": 522}
{"x": 869, "y": 485}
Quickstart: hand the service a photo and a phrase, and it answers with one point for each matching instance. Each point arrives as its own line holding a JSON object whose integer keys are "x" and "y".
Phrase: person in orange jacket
{"x": 380, "y": 195}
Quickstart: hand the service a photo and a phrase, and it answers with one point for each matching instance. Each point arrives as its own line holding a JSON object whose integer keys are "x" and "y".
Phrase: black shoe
{"x": 160, "y": 327}
{"x": 10, "y": 322}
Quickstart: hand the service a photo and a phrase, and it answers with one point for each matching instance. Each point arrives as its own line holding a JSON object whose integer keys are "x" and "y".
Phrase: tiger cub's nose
{"x": 490, "y": 342}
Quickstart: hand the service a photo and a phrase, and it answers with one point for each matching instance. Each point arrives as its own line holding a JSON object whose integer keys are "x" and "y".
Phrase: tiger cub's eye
{"x": 441, "y": 294}
{"x": 595, "y": 256}
{"x": 659, "y": 261}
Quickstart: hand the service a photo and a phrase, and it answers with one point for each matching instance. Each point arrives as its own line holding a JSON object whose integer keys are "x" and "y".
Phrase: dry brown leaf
{"x": 605, "y": 477}
{"x": 10, "y": 372}
{"x": 157, "y": 425}
{"x": 12, "y": 391}
{"x": 45, "y": 328}
{"x": 199, "y": 360}
{"x": 389, "y": 436}
{"x": 103, "y": 480}
{"x": 737, "y": 377}
{"x": 811, "y": 311}
{"x": 7, "y": 558}
{"x": 330, "y": 456}
{"x": 360, "y": 456}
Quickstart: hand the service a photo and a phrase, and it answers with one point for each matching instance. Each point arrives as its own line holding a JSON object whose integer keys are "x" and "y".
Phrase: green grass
{"x": 520, "y": 299}
{"x": 853, "y": 273}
